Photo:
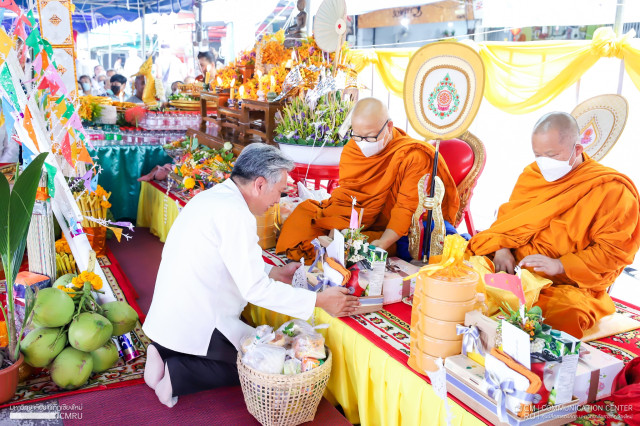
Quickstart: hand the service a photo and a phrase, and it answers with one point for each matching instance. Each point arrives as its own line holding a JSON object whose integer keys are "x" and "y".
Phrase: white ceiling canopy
{"x": 526, "y": 13}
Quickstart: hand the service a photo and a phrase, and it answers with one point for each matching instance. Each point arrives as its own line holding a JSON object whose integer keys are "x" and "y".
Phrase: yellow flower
{"x": 189, "y": 183}
{"x": 105, "y": 204}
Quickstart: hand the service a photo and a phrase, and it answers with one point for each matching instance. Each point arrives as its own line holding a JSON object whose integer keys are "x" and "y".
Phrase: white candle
{"x": 273, "y": 84}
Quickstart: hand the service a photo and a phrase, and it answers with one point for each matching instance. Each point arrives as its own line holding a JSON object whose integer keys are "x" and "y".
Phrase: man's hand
{"x": 504, "y": 261}
{"x": 388, "y": 238}
{"x": 539, "y": 263}
{"x": 284, "y": 273}
{"x": 337, "y": 301}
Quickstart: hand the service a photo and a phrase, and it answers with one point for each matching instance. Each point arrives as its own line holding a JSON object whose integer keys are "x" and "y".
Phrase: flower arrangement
{"x": 273, "y": 50}
{"x": 91, "y": 107}
{"x": 355, "y": 246}
{"x": 202, "y": 167}
{"x": 228, "y": 74}
{"x": 87, "y": 277}
{"x": 300, "y": 124}
{"x": 529, "y": 321}
{"x": 247, "y": 58}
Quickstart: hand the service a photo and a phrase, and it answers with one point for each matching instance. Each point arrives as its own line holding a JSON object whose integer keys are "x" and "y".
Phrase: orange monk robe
{"x": 385, "y": 185}
{"x": 589, "y": 219}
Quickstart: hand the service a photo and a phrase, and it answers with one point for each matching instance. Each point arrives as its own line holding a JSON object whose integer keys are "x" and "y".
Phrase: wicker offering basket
{"x": 284, "y": 400}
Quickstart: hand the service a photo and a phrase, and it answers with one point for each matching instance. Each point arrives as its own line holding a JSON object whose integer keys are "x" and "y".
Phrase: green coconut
{"x": 105, "y": 357}
{"x": 40, "y": 346}
{"x": 64, "y": 280}
{"x": 123, "y": 317}
{"x": 71, "y": 368}
{"x": 53, "y": 308}
{"x": 89, "y": 331}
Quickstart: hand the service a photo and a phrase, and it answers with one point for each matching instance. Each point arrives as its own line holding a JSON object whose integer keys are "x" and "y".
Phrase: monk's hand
{"x": 337, "y": 301}
{"x": 547, "y": 265}
{"x": 504, "y": 261}
{"x": 284, "y": 273}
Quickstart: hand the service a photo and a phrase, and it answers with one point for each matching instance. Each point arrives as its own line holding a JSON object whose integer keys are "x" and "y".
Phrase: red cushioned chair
{"x": 465, "y": 158}
{"x": 304, "y": 172}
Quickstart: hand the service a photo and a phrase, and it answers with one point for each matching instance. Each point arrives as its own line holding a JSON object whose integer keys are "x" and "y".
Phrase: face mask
{"x": 115, "y": 89}
{"x": 101, "y": 84}
{"x": 370, "y": 149}
{"x": 86, "y": 87}
{"x": 552, "y": 169}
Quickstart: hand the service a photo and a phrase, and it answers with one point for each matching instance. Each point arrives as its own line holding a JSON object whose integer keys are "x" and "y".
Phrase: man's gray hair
{"x": 564, "y": 123}
{"x": 261, "y": 160}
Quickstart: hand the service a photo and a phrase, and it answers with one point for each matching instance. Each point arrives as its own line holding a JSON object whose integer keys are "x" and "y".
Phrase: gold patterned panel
{"x": 428, "y": 203}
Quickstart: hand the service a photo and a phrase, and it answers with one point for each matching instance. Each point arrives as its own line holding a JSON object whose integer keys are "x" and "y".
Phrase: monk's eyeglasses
{"x": 357, "y": 138}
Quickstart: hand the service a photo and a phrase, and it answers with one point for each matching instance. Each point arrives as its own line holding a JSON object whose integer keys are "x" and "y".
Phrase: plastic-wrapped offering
{"x": 263, "y": 334}
{"x": 294, "y": 327}
{"x": 309, "y": 346}
{"x": 265, "y": 358}
{"x": 280, "y": 339}
{"x": 310, "y": 363}
{"x": 292, "y": 366}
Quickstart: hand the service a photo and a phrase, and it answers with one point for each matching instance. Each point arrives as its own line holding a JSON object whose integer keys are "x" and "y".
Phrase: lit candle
{"x": 241, "y": 92}
{"x": 259, "y": 80}
{"x": 219, "y": 80}
{"x": 273, "y": 84}
{"x": 206, "y": 78}
{"x": 232, "y": 86}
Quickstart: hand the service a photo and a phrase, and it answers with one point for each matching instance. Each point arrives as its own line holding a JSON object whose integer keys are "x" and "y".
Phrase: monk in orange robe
{"x": 380, "y": 166}
{"x": 569, "y": 219}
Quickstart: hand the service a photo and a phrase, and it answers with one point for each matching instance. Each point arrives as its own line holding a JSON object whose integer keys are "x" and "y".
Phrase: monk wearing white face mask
{"x": 569, "y": 219}
{"x": 380, "y": 166}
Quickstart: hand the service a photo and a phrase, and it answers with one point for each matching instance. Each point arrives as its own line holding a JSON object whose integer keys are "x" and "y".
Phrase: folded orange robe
{"x": 589, "y": 219}
{"x": 385, "y": 185}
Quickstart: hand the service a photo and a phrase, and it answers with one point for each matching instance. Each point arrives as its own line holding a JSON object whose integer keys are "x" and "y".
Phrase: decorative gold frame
{"x": 465, "y": 190}
{"x": 416, "y": 230}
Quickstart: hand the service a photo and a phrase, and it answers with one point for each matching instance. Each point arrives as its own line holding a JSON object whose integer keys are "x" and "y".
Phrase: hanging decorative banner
{"x": 443, "y": 88}
{"x": 601, "y": 120}
{"x": 11, "y": 5}
{"x": 57, "y": 31}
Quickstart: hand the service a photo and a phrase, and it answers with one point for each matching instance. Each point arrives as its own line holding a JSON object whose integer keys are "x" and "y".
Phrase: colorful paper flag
{"x": 6, "y": 43}
{"x": 28, "y": 125}
{"x": 9, "y": 119}
{"x": 84, "y": 155}
{"x": 65, "y": 147}
{"x": 94, "y": 183}
{"x": 11, "y": 5}
{"x": 117, "y": 232}
{"x": 353, "y": 223}
{"x": 507, "y": 282}
{"x": 51, "y": 174}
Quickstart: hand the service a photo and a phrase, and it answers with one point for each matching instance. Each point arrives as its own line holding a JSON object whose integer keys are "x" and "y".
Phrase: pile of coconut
{"x": 73, "y": 338}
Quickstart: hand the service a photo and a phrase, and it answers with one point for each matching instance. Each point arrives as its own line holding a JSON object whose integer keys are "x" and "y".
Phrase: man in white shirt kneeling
{"x": 211, "y": 267}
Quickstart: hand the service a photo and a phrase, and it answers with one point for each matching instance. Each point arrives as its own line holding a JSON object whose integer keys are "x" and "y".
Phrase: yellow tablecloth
{"x": 156, "y": 211}
{"x": 371, "y": 386}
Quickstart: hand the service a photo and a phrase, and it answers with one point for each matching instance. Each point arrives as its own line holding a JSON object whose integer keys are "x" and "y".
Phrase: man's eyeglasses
{"x": 357, "y": 138}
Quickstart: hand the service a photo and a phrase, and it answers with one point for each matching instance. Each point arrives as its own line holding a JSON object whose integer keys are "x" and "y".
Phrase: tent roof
{"x": 92, "y": 13}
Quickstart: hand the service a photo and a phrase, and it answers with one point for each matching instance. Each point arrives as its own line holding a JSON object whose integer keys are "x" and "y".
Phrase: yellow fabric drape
{"x": 151, "y": 211}
{"x": 520, "y": 77}
{"x": 372, "y": 387}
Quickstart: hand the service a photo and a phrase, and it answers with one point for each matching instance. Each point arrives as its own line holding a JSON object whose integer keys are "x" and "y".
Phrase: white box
{"x": 394, "y": 288}
{"x": 595, "y": 375}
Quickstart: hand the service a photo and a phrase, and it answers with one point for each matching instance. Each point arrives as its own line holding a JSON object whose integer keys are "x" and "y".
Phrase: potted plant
{"x": 309, "y": 134}
{"x": 16, "y": 207}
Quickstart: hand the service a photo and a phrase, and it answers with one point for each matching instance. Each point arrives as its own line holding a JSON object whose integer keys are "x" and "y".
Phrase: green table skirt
{"x": 121, "y": 168}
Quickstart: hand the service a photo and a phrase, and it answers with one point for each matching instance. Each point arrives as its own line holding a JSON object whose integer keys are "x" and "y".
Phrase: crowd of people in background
{"x": 117, "y": 83}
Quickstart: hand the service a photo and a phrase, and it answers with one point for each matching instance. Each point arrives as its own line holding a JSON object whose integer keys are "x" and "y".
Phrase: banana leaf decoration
{"x": 16, "y": 207}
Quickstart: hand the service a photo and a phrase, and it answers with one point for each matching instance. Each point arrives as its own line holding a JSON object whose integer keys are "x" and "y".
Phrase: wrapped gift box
{"x": 595, "y": 374}
{"x": 488, "y": 329}
{"x": 394, "y": 288}
{"x": 464, "y": 382}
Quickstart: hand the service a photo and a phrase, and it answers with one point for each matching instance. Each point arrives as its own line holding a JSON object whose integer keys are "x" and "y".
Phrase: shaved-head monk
{"x": 380, "y": 166}
{"x": 569, "y": 219}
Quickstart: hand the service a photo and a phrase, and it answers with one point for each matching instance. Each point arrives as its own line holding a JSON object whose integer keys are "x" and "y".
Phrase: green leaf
{"x": 23, "y": 197}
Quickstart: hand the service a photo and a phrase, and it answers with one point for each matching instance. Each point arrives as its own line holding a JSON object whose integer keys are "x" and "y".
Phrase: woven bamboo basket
{"x": 284, "y": 400}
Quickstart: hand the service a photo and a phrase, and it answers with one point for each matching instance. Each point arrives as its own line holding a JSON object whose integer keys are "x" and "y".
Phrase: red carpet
{"x": 139, "y": 260}
{"x": 139, "y": 405}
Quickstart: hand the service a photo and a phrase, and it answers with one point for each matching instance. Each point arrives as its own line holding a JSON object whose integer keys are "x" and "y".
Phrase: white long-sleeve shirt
{"x": 211, "y": 267}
